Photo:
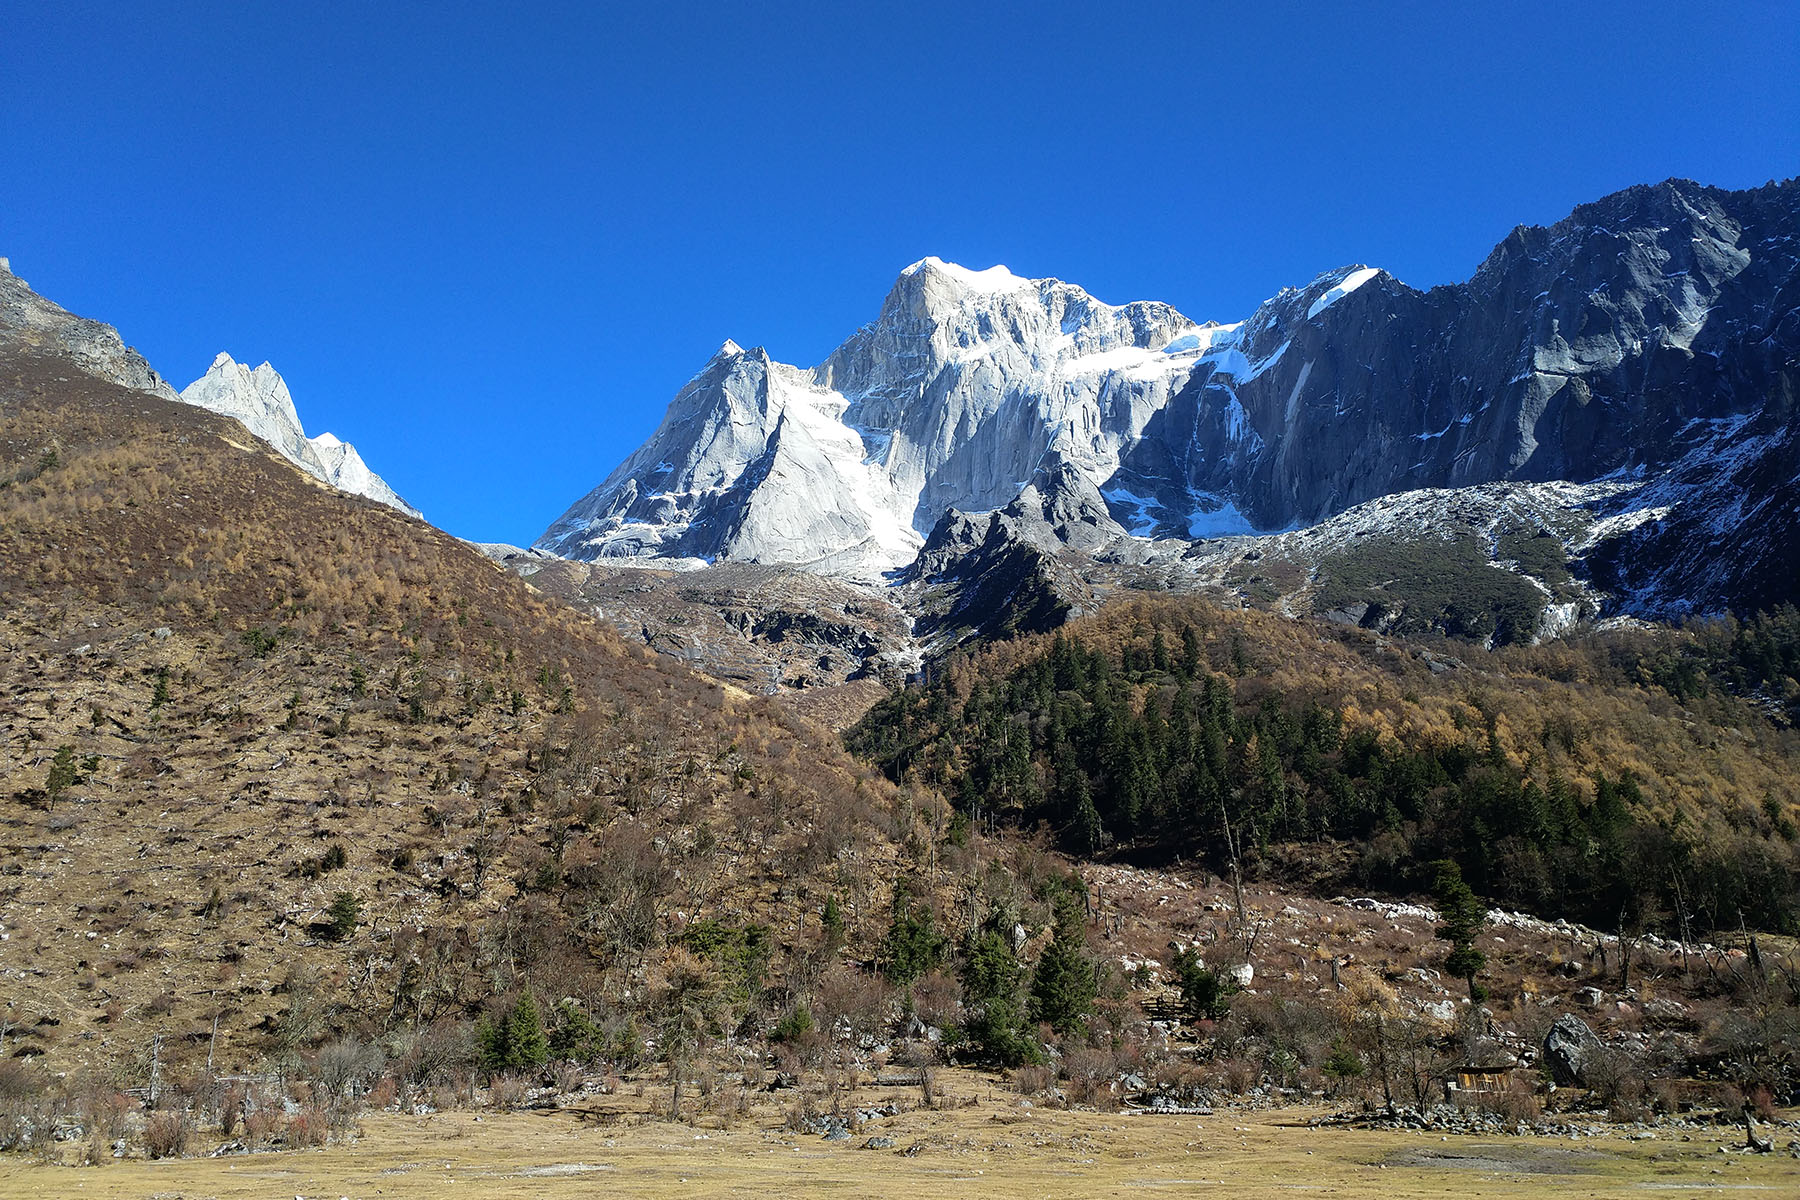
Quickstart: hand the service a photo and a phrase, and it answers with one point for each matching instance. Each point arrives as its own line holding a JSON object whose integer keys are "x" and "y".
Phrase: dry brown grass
{"x": 982, "y": 1144}
{"x": 339, "y": 675}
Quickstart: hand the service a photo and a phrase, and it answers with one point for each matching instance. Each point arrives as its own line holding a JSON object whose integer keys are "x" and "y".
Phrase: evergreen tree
{"x": 913, "y": 945}
{"x": 341, "y": 916}
{"x": 1205, "y": 995}
{"x": 62, "y": 773}
{"x": 576, "y": 1037}
{"x": 991, "y": 976}
{"x": 832, "y": 922}
{"x": 1190, "y": 652}
{"x": 516, "y": 1041}
{"x": 1062, "y": 986}
{"x": 1463, "y": 916}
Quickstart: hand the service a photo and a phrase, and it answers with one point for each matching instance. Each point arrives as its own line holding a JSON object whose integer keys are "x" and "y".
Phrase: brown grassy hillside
{"x": 272, "y": 693}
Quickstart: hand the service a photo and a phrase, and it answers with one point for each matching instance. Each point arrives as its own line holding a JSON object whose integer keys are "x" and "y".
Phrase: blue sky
{"x": 488, "y": 243}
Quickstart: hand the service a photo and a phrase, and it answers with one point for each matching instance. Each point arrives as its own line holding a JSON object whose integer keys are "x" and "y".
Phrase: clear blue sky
{"x": 488, "y": 243}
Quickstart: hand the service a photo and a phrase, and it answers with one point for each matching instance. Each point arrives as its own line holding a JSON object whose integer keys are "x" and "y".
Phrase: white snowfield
{"x": 259, "y": 400}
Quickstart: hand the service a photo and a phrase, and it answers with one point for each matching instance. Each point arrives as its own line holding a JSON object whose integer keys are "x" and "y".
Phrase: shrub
{"x": 792, "y": 1027}
{"x": 166, "y": 1134}
{"x": 341, "y": 916}
{"x": 1205, "y": 995}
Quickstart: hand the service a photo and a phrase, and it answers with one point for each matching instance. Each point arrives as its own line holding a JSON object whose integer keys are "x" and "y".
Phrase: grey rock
{"x": 1570, "y": 1048}
{"x": 28, "y": 322}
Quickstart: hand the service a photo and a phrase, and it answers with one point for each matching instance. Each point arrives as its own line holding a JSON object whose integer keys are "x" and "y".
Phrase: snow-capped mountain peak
{"x": 259, "y": 399}
{"x": 1620, "y": 339}
{"x": 950, "y": 398}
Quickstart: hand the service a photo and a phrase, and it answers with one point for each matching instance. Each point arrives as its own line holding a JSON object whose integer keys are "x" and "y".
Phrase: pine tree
{"x": 576, "y": 1037}
{"x": 1205, "y": 995}
{"x": 516, "y": 1041}
{"x": 1463, "y": 916}
{"x": 913, "y": 946}
{"x": 62, "y": 773}
{"x": 991, "y": 976}
{"x": 1086, "y": 833}
{"x": 341, "y": 916}
{"x": 832, "y": 922}
{"x": 1062, "y": 986}
{"x": 526, "y": 1044}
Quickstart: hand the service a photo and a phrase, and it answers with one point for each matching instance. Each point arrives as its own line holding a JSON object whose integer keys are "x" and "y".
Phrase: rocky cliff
{"x": 1646, "y": 348}
{"x": 260, "y": 400}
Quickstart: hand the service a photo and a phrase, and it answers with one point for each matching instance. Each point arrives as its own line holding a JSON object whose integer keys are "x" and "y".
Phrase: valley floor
{"x": 990, "y": 1146}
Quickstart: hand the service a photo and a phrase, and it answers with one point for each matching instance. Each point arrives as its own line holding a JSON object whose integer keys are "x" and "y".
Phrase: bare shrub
{"x": 1614, "y": 1080}
{"x": 937, "y": 998}
{"x": 1032, "y": 1081}
{"x": 309, "y": 1127}
{"x": 1090, "y": 1074}
{"x": 103, "y": 1109}
{"x": 506, "y": 1092}
{"x": 167, "y": 1132}
{"x": 435, "y": 1055}
{"x": 569, "y": 1078}
{"x": 260, "y": 1126}
{"x": 860, "y": 1001}
{"x": 24, "y": 1103}
{"x": 341, "y": 1071}
{"x": 800, "y": 1116}
{"x": 1237, "y": 1075}
{"x": 1517, "y": 1102}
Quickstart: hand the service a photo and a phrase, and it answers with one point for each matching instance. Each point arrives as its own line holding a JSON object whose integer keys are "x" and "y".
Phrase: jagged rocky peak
{"x": 31, "y": 323}
{"x": 259, "y": 400}
{"x": 1650, "y": 336}
{"x": 951, "y": 398}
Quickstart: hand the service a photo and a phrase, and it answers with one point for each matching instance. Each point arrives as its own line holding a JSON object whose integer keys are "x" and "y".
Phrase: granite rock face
{"x": 950, "y": 399}
{"x": 1621, "y": 339}
{"x": 1570, "y": 1050}
{"x": 259, "y": 400}
{"x": 1646, "y": 348}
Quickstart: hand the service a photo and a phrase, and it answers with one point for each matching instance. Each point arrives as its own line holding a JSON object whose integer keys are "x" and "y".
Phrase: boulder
{"x": 1570, "y": 1048}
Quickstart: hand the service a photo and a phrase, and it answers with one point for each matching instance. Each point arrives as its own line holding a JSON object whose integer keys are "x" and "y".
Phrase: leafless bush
{"x": 860, "y": 1000}
{"x": 24, "y": 1105}
{"x": 800, "y": 1116}
{"x": 937, "y": 998}
{"x": 569, "y": 1078}
{"x": 310, "y": 1127}
{"x": 261, "y": 1126}
{"x": 1032, "y": 1081}
{"x": 103, "y": 1110}
{"x": 1517, "y": 1102}
{"x": 1090, "y": 1074}
{"x": 340, "y": 1071}
{"x": 167, "y": 1132}
{"x": 506, "y": 1092}
{"x": 1615, "y": 1080}
{"x": 435, "y": 1055}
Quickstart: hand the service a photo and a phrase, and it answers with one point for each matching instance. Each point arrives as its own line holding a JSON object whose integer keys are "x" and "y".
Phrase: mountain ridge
{"x": 1630, "y": 342}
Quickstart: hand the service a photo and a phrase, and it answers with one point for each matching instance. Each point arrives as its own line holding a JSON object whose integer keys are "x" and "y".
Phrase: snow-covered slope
{"x": 259, "y": 399}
